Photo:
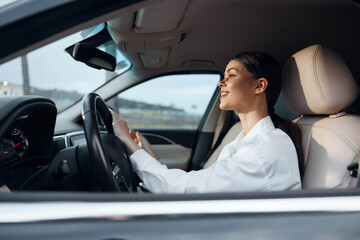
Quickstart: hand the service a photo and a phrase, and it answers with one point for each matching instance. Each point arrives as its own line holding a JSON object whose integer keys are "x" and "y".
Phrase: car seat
{"x": 229, "y": 137}
{"x": 318, "y": 85}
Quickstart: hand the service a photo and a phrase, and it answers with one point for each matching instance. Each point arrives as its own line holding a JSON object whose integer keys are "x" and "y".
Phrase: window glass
{"x": 173, "y": 101}
{"x": 51, "y": 72}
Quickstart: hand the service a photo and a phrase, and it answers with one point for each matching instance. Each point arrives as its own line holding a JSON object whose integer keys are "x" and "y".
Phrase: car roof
{"x": 206, "y": 34}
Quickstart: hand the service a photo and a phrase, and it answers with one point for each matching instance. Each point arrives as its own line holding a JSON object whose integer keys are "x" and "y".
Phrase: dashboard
{"x": 32, "y": 159}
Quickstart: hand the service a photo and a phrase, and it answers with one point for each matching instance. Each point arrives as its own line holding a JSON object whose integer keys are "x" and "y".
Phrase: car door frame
{"x": 309, "y": 214}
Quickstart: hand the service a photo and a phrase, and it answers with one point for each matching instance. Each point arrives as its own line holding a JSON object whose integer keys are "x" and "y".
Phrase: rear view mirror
{"x": 93, "y": 57}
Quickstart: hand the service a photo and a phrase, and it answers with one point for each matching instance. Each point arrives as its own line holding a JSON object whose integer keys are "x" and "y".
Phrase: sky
{"x": 51, "y": 67}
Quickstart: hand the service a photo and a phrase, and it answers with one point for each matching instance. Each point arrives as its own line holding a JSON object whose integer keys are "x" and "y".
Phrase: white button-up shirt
{"x": 264, "y": 160}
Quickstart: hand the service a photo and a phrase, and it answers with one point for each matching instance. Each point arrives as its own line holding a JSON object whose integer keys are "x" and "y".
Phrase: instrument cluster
{"x": 14, "y": 146}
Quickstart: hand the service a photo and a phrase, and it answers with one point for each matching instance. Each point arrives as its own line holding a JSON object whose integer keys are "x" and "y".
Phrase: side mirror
{"x": 93, "y": 57}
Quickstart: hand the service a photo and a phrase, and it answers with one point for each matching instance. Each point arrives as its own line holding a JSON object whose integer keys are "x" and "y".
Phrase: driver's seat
{"x": 319, "y": 86}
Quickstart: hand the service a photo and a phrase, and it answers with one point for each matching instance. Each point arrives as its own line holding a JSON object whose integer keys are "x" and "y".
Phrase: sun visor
{"x": 161, "y": 17}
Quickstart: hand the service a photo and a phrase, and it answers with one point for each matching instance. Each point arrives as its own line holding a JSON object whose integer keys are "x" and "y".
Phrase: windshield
{"x": 4, "y": 3}
{"x": 51, "y": 72}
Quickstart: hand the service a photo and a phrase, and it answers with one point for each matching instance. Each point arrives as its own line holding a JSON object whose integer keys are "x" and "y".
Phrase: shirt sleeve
{"x": 237, "y": 173}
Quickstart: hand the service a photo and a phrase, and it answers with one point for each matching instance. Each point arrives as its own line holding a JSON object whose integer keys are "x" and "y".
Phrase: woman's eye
{"x": 231, "y": 75}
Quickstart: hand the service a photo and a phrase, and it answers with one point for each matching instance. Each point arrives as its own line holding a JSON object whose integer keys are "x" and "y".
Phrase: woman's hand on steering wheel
{"x": 121, "y": 130}
{"x": 132, "y": 140}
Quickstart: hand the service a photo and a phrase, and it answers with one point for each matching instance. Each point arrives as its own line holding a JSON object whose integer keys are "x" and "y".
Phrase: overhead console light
{"x": 155, "y": 30}
{"x": 161, "y": 17}
{"x": 155, "y": 59}
{"x": 153, "y": 48}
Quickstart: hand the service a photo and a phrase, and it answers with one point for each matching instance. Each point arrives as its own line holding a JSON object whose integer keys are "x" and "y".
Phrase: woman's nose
{"x": 221, "y": 83}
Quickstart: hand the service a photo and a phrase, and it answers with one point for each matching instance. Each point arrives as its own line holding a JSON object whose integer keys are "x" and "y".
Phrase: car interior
{"x": 58, "y": 143}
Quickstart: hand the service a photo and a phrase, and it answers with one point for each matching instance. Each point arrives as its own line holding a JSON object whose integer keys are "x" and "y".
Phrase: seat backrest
{"x": 319, "y": 86}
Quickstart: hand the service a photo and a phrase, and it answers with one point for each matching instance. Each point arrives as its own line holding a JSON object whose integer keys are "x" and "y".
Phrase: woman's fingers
{"x": 138, "y": 138}
{"x": 114, "y": 115}
{"x": 121, "y": 130}
{"x": 138, "y": 135}
{"x": 132, "y": 134}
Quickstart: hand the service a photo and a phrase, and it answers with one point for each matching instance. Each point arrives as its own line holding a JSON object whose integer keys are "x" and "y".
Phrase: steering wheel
{"x": 110, "y": 159}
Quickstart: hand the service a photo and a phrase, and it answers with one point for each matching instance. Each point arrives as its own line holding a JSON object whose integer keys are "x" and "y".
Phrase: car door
{"x": 295, "y": 215}
{"x": 169, "y": 111}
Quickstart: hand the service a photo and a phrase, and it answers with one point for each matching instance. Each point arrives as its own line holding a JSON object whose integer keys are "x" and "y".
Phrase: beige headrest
{"x": 317, "y": 81}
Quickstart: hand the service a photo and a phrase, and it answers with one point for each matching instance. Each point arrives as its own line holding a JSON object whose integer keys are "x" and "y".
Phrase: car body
{"x": 175, "y": 49}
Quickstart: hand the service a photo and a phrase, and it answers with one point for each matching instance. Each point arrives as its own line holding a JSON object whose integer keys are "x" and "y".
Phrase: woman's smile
{"x": 237, "y": 88}
{"x": 223, "y": 94}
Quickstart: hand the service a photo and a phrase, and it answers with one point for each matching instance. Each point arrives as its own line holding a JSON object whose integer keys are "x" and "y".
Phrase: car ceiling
{"x": 217, "y": 30}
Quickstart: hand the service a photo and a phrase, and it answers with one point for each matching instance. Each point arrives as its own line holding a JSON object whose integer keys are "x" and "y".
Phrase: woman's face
{"x": 237, "y": 88}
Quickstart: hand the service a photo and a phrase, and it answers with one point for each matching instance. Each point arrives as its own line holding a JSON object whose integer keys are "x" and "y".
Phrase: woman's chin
{"x": 223, "y": 107}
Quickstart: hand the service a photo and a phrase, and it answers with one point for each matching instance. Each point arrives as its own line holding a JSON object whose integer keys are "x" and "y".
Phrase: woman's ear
{"x": 261, "y": 85}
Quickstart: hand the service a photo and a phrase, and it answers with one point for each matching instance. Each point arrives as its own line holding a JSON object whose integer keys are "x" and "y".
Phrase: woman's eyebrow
{"x": 231, "y": 69}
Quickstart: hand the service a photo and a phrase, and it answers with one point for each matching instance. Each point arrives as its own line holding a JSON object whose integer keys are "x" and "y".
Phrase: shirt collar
{"x": 264, "y": 124}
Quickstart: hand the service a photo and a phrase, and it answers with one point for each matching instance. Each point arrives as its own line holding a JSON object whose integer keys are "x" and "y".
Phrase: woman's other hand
{"x": 142, "y": 142}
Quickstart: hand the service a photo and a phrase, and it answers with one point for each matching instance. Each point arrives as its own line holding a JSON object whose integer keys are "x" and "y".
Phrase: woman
{"x": 261, "y": 158}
